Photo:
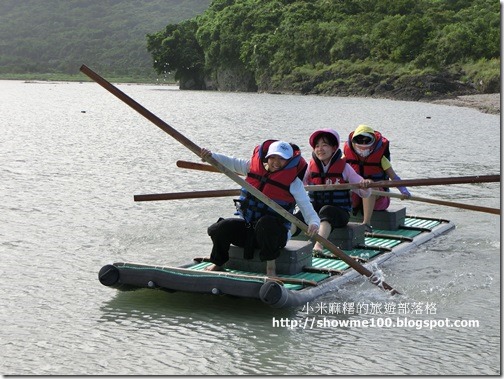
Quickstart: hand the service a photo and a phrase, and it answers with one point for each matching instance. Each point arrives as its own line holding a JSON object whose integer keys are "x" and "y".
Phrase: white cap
{"x": 284, "y": 149}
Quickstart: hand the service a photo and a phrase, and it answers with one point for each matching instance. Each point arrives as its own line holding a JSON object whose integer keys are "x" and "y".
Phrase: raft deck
{"x": 323, "y": 274}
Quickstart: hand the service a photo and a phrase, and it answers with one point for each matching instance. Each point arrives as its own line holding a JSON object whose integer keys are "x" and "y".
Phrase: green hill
{"x": 58, "y": 36}
{"x": 410, "y": 49}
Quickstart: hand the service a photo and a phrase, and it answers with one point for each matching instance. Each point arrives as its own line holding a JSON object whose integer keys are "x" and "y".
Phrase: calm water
{"x": 72, "y": 157}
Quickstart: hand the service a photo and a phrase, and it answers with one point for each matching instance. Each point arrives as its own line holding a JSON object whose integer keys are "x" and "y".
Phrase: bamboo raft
{"x": 302, "y": 276}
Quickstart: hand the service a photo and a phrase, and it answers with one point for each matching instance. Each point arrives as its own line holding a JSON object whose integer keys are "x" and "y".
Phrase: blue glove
{"x": 404, "y": 191}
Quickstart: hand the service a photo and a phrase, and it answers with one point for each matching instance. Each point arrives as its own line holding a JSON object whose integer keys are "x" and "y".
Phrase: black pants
{"x": 334, "y": 215}
{"x": 269, "y": 235}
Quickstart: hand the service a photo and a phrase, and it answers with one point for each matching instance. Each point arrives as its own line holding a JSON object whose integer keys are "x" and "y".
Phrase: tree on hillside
{"x": 175, "y": 49}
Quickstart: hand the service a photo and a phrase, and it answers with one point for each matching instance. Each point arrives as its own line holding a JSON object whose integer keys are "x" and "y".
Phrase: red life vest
{"x": 369, "y": 167}
{"x": 335, "y": 175}
{"x": 275, "y": 185}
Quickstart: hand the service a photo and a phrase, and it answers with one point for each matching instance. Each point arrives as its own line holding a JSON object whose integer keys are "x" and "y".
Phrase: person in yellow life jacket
{"x": 367, "y": 151}
{"x": 328, "y": 166}
{"x": 275, "y": 169}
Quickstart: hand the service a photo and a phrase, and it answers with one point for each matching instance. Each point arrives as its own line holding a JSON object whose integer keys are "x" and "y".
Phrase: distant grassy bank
{"x": 83, "y": 78}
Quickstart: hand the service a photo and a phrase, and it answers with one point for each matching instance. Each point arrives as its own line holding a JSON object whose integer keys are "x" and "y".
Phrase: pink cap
{"x": 315, "y": 135}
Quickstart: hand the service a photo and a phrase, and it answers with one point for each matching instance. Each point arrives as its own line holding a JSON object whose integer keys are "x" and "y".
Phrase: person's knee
{"x": 342, "y": 220}
{"x": 326, "y": 213}
{"x": 226, "y": 226}
{"x": 382, "y": 203}
{"x": 214, "y": 228}
{"x": 336, "y": 216}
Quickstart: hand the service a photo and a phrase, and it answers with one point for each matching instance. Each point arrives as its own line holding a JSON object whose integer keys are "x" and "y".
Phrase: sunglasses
{"x": 362, "y": 140}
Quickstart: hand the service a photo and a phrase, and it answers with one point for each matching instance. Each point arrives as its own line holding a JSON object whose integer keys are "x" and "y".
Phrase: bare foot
{"x": 214, "y": 267}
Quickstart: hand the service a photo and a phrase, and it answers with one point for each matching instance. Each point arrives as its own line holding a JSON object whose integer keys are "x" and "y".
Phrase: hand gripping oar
{"x": 254, "y": 191}
{"x": 477, "y": 208}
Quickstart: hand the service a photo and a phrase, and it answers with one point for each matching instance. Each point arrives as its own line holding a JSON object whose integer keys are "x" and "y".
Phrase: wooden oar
{"x": 196, "y": 166}
{"x": 398, "y": 183}
{"x": 236, "y": 192}
{"x": 439, "y": 202}
{"x": 378, "y": 184}
{"x": 411, "y": 182}
{"x": 375, "y": 279}
{"x": 186, "y": 195}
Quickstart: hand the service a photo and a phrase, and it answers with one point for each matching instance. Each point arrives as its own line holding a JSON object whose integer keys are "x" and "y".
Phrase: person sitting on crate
{"x": 328, "y": 166}
{"x": 367, "y": 151}
{"x": 274, "y": 169}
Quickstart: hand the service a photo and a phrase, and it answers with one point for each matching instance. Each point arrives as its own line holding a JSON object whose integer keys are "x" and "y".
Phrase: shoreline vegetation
{"x": 485, "y": 102}
{"x": 444, "y": 52}
{"x": 423, "y": 50}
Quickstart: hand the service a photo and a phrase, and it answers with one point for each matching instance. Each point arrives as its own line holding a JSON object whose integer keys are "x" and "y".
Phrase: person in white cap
{"x": 276, "y": 169}
{"x": 368, "y": 153}
{"x": 327, "y": 166}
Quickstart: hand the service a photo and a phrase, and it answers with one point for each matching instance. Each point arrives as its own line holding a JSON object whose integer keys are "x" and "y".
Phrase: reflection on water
{"x": 72, "y": 158}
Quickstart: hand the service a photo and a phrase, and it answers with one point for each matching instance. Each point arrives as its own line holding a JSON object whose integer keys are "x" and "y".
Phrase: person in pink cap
{"x": 328, "y": 166}
{"x": 368, "y": 152}
{"x": 275, "y": 169}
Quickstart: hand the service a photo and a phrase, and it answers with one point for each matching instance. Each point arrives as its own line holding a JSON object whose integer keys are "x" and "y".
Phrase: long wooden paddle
{"x": 186, "y": 195}
{"x": 236, "y": 192}
{"x": 411, "y": 182}
{"x": 254, "y": 191}
{"x": 196, "y": 166}
{"x": 439, "y": 202}
{"x": 378, "y": 184}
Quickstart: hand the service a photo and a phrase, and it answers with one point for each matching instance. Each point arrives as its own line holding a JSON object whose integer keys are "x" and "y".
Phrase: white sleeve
{"x": 303, "y": 201}
{"x": 238, "y": 165}
{"x": 352, "y": 177}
